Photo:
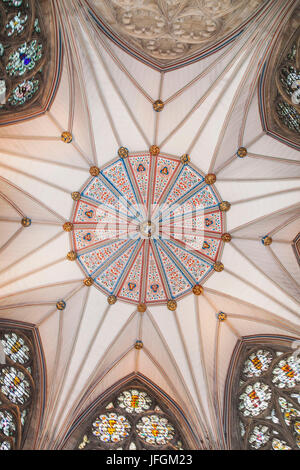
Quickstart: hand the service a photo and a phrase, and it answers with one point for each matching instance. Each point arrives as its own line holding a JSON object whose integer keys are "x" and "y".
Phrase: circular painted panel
{"x": 148, "y": 228}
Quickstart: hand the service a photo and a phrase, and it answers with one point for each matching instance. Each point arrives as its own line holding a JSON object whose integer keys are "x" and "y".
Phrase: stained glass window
{"x": 16, "y": 388}
{"x": 267, "y": 399}
{"x": 132, "y": 418}
{"x": 23, "y": 50}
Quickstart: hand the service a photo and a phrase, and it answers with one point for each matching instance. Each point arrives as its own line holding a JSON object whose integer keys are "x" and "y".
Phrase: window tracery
{"x": 28, "y": 57}
{"x": 16, "y": 388}
{"x": 280, "y": 83}
{"x": 132, "y": 418}
{"x": 288, "y": 99}
{"x": 266, "y": 399}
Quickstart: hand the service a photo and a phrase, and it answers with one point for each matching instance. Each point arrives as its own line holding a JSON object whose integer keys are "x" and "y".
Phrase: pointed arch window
{"x": 133, "y": 417}
{"x": 265, "y": 399}
{"x": 28, "y": 56}
{"x": 17, "y": 387}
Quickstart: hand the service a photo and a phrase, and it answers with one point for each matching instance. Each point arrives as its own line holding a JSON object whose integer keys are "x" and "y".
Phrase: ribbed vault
{"x": 211, "y": 110}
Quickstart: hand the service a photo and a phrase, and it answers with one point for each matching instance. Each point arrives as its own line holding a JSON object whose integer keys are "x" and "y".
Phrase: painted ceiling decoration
{"x": 132, "y": 417}
{"x": 172, "y": 33}
{"x": 30, "y": 59}
{"x": 280, "y": 85}
{"x": 265, "y": 396}
{"x": 148, "y": 228}
{"x": 149, "y": 231}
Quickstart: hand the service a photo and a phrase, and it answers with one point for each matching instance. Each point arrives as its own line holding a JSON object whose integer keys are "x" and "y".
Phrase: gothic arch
{"x": 133, "y": 407}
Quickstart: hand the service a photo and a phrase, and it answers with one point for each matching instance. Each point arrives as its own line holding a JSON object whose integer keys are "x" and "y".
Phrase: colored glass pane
{"x": 15, "y": 347}
{"x": 155, "y": 430}
{"x": 259, "y": 436}
{"x": 255, "y": 399}
{"x": 7, "y": 423}
{"x": 257, "y": 363}
{"x": 287, "y": 372}
{"x": 14, "y": 385}
{"x": 24, "y": 58}
{"x": 176, "y": 259}
{"x": 111, "y": 427}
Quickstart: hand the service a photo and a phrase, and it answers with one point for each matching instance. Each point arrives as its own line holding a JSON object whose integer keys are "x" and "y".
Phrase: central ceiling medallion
{"x": 147, "y": 229}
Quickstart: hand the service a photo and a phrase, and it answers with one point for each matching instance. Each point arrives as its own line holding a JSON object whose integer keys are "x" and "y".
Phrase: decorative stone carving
{"x": 218, "y": 267}
{"x": 68, "y": 226}
{"x": 242, "y": 152}
{"x": 158, "y": 106}
{"x": 224, "y": 206}
{"x": 185, "y": 159}
{"x": 61, "y": 305}
{"x": 154, "y": 150}
{"x": 167, "y": 30}
{"x": 76, "y": 195}
{"x": 296, "y": 247}
{"x": 267, "y": 241}
{"x": 89, "y": 281}
{"x": 141, "y": 308}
